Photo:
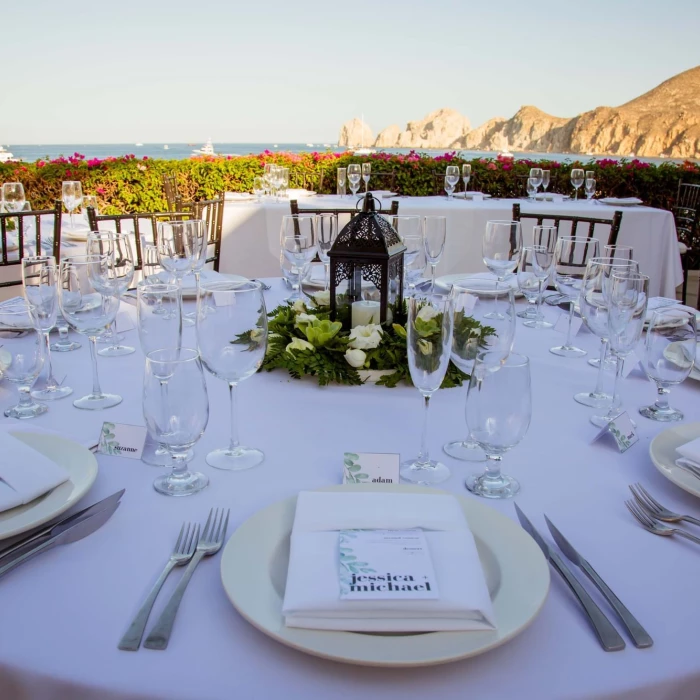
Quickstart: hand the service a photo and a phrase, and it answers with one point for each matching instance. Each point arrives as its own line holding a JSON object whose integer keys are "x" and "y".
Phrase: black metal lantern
{"x": 368, "y": 249}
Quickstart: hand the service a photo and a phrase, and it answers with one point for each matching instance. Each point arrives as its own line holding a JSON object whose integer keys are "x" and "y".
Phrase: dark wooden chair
{"x": 14, "y": 224}
{"x": 351, "y": 212}
{"x": 173, "y": 196}
{"x": 686, "y": 213}
{"x": 211, "y": 212}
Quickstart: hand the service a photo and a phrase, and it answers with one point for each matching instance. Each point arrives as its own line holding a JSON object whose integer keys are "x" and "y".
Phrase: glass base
{"x": 156, "y": 456}
{"x": 529, "y": 312}
{"x": 567, "y": 351}
{"x": 107, "y": 337}
{"x": 430, "y": 472}
{"x": 663, "y": 415}
{"x": 610, "y": 363}
{"x": 31, "y": 410}
{"x": 495, "y": 316}
{"x": 116, "y": 351}
{"x": 68, "y": 346}
{"x": 235, "y": 460}
{"x": 601, "y": 421}
{"x": 464, "y": 451}
{"x": 492, "y": 487}
{"x": 538, "y": 323}
{"x": 593, "y": 400}
{"x": 96, "y": 402}
{"x": 184, "y": 484}
{"x": 58, "y": 392}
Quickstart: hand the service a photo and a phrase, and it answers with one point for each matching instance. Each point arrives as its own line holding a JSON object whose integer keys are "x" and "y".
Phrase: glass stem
{"x": 96, "y": 390}
{"x": 235, "y": 443}
{"x": 540, "y": 294}
{"x": 113, "y": 326}
{"x": 51, "y": 382}
{"x": 179, "y": 464}
{"x": 326, "y": 268}
{"x": 63, "y": 335}
{"x": 662, "y": 401}
{"x": 568, "y": 332}
{"x": 424, "y": 456}
{"x": 432, "y": 276}
{"x": 613, "y": 412}
{"x": 598, "y": 391}
{"x": 492, "y": 469}
{"x": 25, "y": 398}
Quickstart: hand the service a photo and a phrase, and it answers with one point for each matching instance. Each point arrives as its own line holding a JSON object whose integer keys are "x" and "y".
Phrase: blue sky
{"x": 273, "y": 70}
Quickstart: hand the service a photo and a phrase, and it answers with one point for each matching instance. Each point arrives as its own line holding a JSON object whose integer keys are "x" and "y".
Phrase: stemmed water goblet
{"x": 342, "y": 177}
{"x": 531, "y": 188}
{"x": 39, "y": 275}
{"x": 499, "y": 409}
{"x": 354, "y": 175}
{"x": 299, "y": 245}
{"x": 434, "y": 235}
{"x": 619, "y": 252}
{"x": 21, "y": 358}
{"x": 88, "y": 301}
{"x": 576, "y": 179}
{"x": 258, "y": 188}
{"x": 179, "y": 244}
{"x": 626, "y": 296}
{"x": 529, "y": 276}
{"x": 472, "y": 300}
{"x": 571, "y": 255}
{"x": 536, "y": 177}
{"x": 414, "y": 261}
{"x": 451, "y": 179}
{"x": 669, "y": 354}
{"x": 199, "y": 260}
{"x": 590, "y": 188}
{"x": 466, "y": 174}
{"x": 429, "y": 327}
{"x": 366, "y": 172}
{"x": 13, "y": 196}
{"x": 545, "y": 180}
{"x": 72, "y": 195}
{"x": 326, "y": 232}
{"x": 176, "y": 411}
{"x": 501, "y": 246}
{"x": 64, "y": 343}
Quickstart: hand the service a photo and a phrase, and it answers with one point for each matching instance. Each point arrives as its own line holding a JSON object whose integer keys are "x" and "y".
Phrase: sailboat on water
{"x": 363, "y": 150}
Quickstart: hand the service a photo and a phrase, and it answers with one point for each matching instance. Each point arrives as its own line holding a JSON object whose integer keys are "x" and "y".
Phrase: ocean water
{"x": 178, "y": 151}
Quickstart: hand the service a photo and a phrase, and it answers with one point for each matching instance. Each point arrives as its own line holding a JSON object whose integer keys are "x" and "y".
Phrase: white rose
{"x": 355, "y": 358}
{"x": 323, "y": 298}
{"x": 365, "y": 337}
{"x": 302, "y": 319}
{"x": 425, "y": 347}
{"x": 298, "y": 306}
{"x": 427, "y": 313}
{"x": 299, "y": 344}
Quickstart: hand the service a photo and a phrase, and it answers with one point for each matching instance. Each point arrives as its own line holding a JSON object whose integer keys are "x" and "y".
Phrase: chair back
{"x": 686, "y": 213}
{"x": 211, "y": 212}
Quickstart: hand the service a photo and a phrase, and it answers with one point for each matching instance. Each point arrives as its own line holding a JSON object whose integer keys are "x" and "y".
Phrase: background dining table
{"x": 64, "y": 612}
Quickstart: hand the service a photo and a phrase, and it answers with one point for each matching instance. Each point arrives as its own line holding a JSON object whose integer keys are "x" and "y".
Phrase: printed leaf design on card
{"x": 353, "y": 470}
{"x": 107, "y": 439}
{"x": 348, "y": 561}
{"x": 622, "y": 440}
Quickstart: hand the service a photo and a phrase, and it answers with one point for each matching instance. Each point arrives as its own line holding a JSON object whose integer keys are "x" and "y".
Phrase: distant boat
{"x": 5, "y": 155}
{"x": 206, "y": 150}
{"x": 139, "y": 144}
{"x": 363, "y": 150}
{"x": 326, "y": 145}
{"x": 310, "y": 145}
{"x": 166, "y": 147}
{"x": 275, "y": 146}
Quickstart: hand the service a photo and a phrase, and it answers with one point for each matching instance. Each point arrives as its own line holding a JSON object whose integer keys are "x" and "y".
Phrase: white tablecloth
{"x": 250, "y": 244}
{"x": 64, "y": 612}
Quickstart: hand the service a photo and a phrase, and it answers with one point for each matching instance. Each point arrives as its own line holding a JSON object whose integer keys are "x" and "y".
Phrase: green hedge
{"x": 127, "y": 184}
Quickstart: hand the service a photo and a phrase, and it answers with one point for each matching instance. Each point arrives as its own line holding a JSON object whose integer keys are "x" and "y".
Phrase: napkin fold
{"x": 25, "y": 473}
{"x": 312, "y": 596}
{"x": 689, "y": 454}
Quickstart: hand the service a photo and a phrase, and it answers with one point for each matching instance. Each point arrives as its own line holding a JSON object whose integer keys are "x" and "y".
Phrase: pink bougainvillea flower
{"x": 101, "y": 190}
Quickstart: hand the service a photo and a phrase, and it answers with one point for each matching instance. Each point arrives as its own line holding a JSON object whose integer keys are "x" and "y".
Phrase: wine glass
{"x": 571, "y": 255}
{"x": 429, "y": 341}
{"x": 89, "y": 200}
{"x": 72, "y": 195}
{"x": 466, "y": 174}
{"x": 590, "y": 188}
{"x": 342, "y": 177}
{"x": 536, "y": 177}
{"x": 472, "y": 299}
{"x": 117, "y": 245}
{"x": 258, "y": 188}
{"x": 366, "y": 172}
{"x": 39, "y": 275}
{"x": 451, "y": 179}
{"x": 199, "y": 260}
{"x": 576, "y": 179}
{"x": 529, "y": 282}
{"x": 179, "y": 243}
{"x": 290, "y": 272}
{"x": 88, "y": 301}
{"x": 64, "y": 343}
{"x": 499, "y": 409}
{"x": 13, "y": 196}
{"x": 545, "y": 180}
{"x": 414, "y": 261}
{"x": 590, "y": 174}
{"x": 626, "y": 295}
{"x": 21, "y": 358}
{"x": 326, "y": 232}
{"x": 619, "y": 252}
{"x": 501, "y": 246}
{"x": 354, "y": 174}
{"x": 232, "y": 338}
{"x": 284, "y": 181}
{"x": 158, "y": 316}
{"x": 531, "y": 188}
{"x": 299, "y": 245}
{"x": 594, "y": 312}
{"x": 434, "y": 235}
{"x": 669, "y": 354}
{"x": 176, "y": 411}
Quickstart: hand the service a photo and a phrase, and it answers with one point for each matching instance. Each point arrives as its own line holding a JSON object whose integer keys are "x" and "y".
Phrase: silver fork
{"x": 210, "y": 543}
{"x": 648, "y": 523}
{"x": 182, "y": 553}
{"x": 649, "y": 503}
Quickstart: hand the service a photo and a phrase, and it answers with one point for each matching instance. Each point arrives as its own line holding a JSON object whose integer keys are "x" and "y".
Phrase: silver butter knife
{"x": 71, "y": 533}
{"x": 608, "y": 636}
{"x": 640, "y": 637}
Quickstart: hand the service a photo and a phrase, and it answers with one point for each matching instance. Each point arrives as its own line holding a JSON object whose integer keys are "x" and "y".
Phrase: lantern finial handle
{"x": 368, "y": 202}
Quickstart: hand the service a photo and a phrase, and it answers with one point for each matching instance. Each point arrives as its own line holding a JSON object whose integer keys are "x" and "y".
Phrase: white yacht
{"x": 206, "y": 150}
{"x": 5, "y": 155}
{"x": 363, "y": 150}
{"x": 166, "y": 147}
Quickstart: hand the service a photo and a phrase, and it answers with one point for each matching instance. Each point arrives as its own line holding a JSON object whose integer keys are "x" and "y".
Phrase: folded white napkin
{"x": 621, "y": 200}
{"x": 25, "y": 474}
{"x": 470, "y": 194}
{"x": 690, "y": 453}
{"x": 312, "y": 596}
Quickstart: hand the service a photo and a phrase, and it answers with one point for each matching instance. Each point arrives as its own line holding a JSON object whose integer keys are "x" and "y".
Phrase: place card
{"x": 562, "y": 324}
{"x": 385, "y": 565}
{"x": 126, "y": 319}
{"x": 122, "y": 439}
{"x": 622, "y": 430}
{"x": 630, "y": 363}
{"x": 468, "y": 302}
{"x": 371, "y": 468}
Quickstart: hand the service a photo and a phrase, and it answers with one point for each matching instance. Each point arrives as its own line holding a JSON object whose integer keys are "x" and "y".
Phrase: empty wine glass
{"x": 366, "y": 172}
{"x": 499, "y": 409}
{"x": 89, "y": 200}
{"x": 472, "y": 300}
{"x": 576, "y": 179}
{"x": 158, "y": 316}
{"x": 232, "y": 338}
{"x": 299, "y": 246}
{"x": 72, "y": 195}
{"x": 626, "y": 295}
{"x": 434, "y": 235}
{"x": 466, "y": 174}
{"x": 342, "y": 177}
{"x": 501, "y": 246}
{"x": 669, "y": 354}
{"x": 535, "y": 268}
{"x": 531, "y": 188}
{"x": 258, "y": 187}
{"x": 545, "y": 180}
{"x": 414, "y": 261}
{"x": 13, "y": 196}
{"x": 179, "y": 244}
{"x": 449, "y": 189}
{"x": 176, "y": 411}
{"x": 536, "y": 177}
{"x": 21, "y": 358}
{"x": 199, "y": 260}
{"x": 326, "y": 232}
{"x": 429, "y": 341}
{"x": 290, "y": 272}
{"x": 590, "y": 174}
{"x": 40, "y": 275}
{"x": 64, "y": 343}
{"x": 451, "y": 179}
{"x": 354, "y": 175}
{"x": 88, "y": 301}
{"x": 590, "y": 187}
{"x": 619, "y": 252}
{"x": 571, "y": 255}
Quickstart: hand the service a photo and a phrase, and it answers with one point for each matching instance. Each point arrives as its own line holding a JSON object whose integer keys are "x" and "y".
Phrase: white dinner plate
{"x": 621, "y": 201}
{"x": 449, "y": 280}
{"x": 80, "y": 464}
{"x": 254, "y": 570}
{"x": 471, "y": 195}
{"x": 297, "y": 194}
{"x": 662, "y": 451}
{"x": 78, "y": 234}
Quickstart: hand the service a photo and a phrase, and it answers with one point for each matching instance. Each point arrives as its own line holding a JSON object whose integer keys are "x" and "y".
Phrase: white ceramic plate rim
{"x": 76, "y": 459}
{"x": 447, "y": 280}
{"x": 617, "y": 203}
{"x": 524, "y": 582}
{"x": 191, "y": 291}
{"x": 662, "y": 451}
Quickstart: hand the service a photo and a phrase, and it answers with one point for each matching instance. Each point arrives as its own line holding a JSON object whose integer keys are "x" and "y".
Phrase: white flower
{"x": 303, "y": 318}
{"x": 298, "y": 306}
{"x": 425, "y": 347}
{"x": 427, "y": 313}
{"x": 322, "y": 298}
{"x": 256, "y": 334}
{"x": 355, "y": 358}
{"x": 365, "y": 337}
{"x": 5, "y": 360}
{"x": 299, "y": 344}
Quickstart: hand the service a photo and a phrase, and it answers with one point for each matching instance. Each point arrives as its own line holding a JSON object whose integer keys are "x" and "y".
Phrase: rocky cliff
{"x": 355, "y": 133}
{"x": 443, "y": 126}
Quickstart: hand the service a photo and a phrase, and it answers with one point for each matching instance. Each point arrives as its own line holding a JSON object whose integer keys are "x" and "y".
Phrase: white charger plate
{"x": 449, "y": 280}
{"x": 81, "y": 466}
{"x": 625, "y": 202}
{"x": 662, "y": 451}
{"x": 254, "y": 570}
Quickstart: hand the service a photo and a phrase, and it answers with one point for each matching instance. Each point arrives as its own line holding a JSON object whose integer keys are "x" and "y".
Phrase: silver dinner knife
{"x": 640, "y": 637}
{"x": 608, "y": 636}
{"x": 72, "y": 533}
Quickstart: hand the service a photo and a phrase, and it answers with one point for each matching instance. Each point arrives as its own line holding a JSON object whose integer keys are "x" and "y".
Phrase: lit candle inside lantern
{"x": 365, "y": 312}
